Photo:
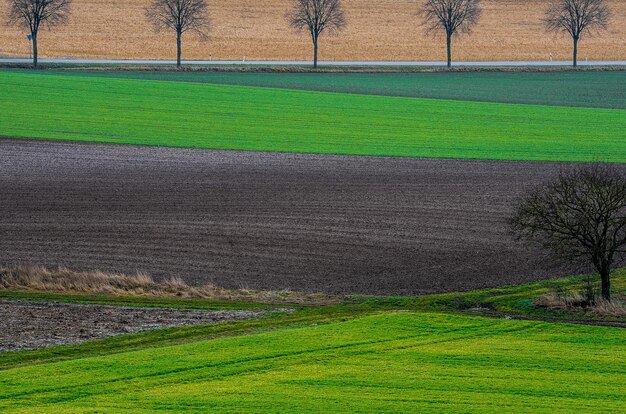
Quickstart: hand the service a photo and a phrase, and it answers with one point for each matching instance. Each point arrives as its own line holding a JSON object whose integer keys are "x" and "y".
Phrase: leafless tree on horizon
{"x": 580, "y": 216}
{"x": 180, "y": 15}
{"x": 576, "y": 17}
{"x": 35, "y": 14}
{"x": 453, "y": 16}
{"x": 317, "y": 16}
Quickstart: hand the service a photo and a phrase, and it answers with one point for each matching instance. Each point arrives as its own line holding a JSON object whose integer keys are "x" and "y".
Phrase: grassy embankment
{"x": 196, "y": 115}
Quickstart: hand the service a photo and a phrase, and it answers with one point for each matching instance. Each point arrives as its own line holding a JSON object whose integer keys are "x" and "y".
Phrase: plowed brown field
{"x": 270, "y": 221}
{"x": 256, "y": 29}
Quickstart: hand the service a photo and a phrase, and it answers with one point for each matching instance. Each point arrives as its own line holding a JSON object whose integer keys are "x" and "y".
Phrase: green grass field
{"x": 369, "y": 354}
{"x": 393, "y": 362}
{"x": 197, "y": 115}
{"x": 584, "y": 89}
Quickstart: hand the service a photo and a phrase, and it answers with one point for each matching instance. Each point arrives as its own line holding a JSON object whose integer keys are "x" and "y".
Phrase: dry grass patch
{"x": 63, "y": 280}
{"x": 578, "y": 302}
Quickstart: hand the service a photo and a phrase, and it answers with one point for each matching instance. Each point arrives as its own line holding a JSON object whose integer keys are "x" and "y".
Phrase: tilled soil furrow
{"x": 28, "y": 325}
{"x": 269, "y": 221}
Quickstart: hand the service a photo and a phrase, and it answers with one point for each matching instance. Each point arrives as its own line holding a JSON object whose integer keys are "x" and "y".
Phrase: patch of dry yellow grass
{"x": 62, "y": 280}
{"x": 257, "y": 30}
{"x": 615, "y": 308}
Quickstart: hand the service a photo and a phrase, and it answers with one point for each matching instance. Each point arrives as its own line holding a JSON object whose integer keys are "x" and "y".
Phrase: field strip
{"x": 338, "y": 224}
{"x": 406, "y": 360}
{"x": 261, "y": 119}
{"x": 603, "y": 89}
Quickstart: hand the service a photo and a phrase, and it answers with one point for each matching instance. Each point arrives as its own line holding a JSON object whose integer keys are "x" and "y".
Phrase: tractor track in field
{"x": 338, "y": 224}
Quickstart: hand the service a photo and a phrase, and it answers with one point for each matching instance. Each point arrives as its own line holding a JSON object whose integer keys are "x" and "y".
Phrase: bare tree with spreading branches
{"x": 451, "y": 16}
{"x": 577, "y": 17}
{"x": 582, "y": 215}
{"x": 179, "y": 15}
{"x": 35, "y": 14}
{"x": 317, "y": 16}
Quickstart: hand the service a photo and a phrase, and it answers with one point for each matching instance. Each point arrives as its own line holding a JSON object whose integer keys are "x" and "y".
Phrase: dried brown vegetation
{"x": 63, "y": 280}
{"x": 257, "y": 29}
{"x": 577, "y": 302}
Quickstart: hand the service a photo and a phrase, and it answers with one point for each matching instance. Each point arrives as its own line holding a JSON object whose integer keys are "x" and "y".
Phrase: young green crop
{"x": 393, "y": 362}
{"x": 261, "y": 119}
{"x": 583, "y": 89}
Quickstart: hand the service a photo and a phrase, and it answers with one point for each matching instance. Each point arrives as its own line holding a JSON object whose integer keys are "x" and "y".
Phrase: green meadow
{"x": 203, "y": 115}
{"x": 365, "y": 354}
{"x": 392, "y": 362}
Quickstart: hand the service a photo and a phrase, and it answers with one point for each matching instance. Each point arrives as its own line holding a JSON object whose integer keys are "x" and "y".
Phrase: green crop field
{"x": 199, "y": 115}
{"x": 584, "y": 89}
{"x": 393, "y": 362}
{"x": 367, "y": 354}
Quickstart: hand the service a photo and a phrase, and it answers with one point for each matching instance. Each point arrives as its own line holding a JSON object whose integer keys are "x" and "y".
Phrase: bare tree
{"x": 582, "y": 215}
{"x": 577, "y": 17}
{"x": 453, "y": 16}
{"x": 34, "y": 14}
{"x": 181, "y": 16}
{"x": 317, "y": 16}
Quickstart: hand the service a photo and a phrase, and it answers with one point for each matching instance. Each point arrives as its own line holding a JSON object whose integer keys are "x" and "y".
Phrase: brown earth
{"x": 378, "y": 30}
{"x": 27, "y": 325}
{"x": 268, "y": 221}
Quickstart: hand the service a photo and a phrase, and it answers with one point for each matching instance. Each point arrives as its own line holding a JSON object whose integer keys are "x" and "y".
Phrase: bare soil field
{"x": 378, "y": 30}
{"x": 269, "y": 221}
{"x": 28, "y": 325}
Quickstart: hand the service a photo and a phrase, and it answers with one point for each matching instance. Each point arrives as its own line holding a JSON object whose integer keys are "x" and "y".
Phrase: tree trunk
{"x": 449, "y": 48}
{"x": 575, "y": 53}
{"x": 315, "y": 53}
{"x": 179, "y": 48}
{"x": 605, "y": 276}
{"x": 35, "y": 50}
